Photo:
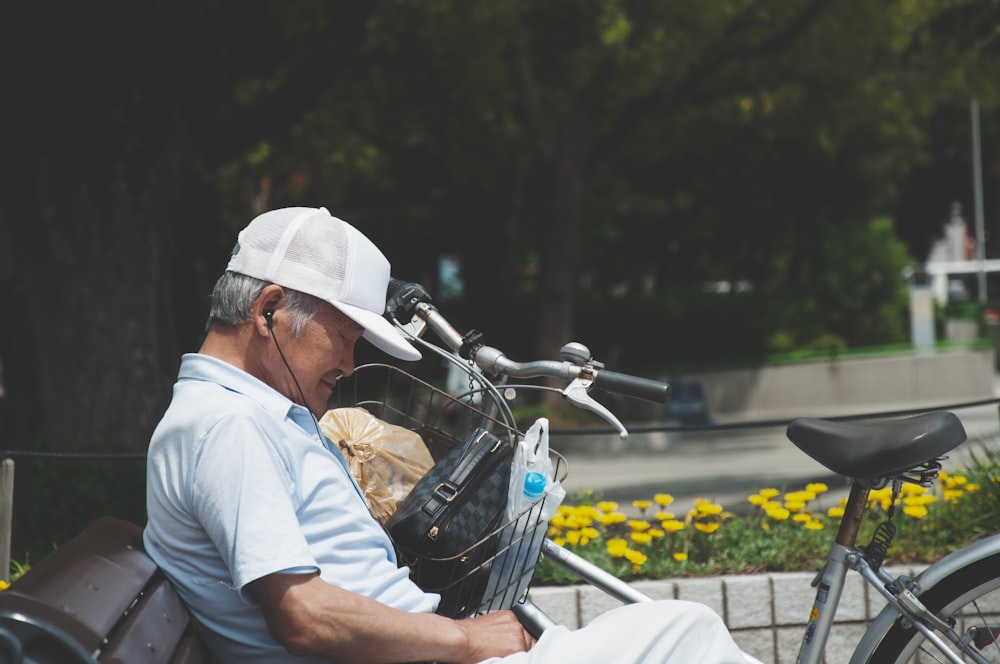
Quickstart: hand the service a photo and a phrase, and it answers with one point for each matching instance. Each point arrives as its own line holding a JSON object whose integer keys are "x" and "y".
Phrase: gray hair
{"x": 234, "y": 295}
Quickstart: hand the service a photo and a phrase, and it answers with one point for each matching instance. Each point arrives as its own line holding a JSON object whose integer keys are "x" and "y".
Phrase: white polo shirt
{"x": 239, "y": 486}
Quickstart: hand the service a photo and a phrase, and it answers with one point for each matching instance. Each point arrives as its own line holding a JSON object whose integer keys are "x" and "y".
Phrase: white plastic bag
{"x": 520, "y": 546}
{"x": 532, "y": 455}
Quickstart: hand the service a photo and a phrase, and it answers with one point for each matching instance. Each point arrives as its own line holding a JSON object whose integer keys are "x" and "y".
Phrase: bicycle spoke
{"x": 928, "y": 653}
{"x": 985, "y": 634}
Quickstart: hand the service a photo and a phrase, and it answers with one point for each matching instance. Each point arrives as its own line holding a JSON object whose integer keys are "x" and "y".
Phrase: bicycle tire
{"x": 970, "y": 595}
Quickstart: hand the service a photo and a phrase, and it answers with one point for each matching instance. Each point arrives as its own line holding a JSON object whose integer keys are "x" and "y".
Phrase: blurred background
{"x": 683, "y": 186}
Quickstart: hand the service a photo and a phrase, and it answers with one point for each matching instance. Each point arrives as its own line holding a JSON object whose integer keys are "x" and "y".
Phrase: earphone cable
{"x": 281, "y": 354}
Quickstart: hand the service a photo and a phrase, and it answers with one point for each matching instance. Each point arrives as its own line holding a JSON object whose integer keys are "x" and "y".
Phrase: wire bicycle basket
{"x": 494, "y": 572}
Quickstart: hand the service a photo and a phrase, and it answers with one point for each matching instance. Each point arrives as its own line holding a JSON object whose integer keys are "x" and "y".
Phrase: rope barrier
{"x": 80, "y": 456}
{"x": 760, "y": 424}
{"x": 581, "y": 431}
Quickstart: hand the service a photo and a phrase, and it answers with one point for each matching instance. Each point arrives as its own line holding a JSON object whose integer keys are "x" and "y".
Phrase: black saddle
{"x": 876, "y": 449}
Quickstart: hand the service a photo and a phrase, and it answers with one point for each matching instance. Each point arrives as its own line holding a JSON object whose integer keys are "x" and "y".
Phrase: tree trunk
{"x": 93, "y": 274}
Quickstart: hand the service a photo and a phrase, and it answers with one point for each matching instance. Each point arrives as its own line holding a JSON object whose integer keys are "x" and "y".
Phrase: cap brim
{"x": 380, "y": 332}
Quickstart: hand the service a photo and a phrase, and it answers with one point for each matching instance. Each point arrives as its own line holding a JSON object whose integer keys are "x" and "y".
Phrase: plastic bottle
{"x": 534, "y": 488}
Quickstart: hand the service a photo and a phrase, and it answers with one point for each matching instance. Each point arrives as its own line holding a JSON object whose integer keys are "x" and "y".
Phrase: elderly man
{"x": 252, "y": 511}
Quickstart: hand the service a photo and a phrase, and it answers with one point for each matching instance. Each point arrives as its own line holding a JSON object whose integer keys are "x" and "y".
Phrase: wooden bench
{"x": 98, "y": 598}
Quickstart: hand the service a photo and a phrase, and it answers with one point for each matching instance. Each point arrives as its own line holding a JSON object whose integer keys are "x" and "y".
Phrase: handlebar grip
{"x": 633, "y": 386}
{"x": 402, "y": 297}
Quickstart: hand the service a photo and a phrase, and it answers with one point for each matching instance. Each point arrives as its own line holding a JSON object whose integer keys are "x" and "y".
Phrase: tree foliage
{"x": 610, "y": 146}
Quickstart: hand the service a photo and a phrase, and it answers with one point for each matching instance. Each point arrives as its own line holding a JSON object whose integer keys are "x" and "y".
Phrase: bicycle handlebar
{"x": 634, "y": 386}
{"x": 408, "y": 299}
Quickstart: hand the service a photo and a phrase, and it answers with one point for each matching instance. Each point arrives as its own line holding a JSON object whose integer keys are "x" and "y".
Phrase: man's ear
{"x": 268, "y": 303}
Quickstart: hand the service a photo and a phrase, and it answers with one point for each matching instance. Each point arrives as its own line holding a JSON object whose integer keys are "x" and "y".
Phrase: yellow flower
{"x": 607, "y": 506}
{"x": 577, "y": 517}
{"x": 559, "y": 540}
{"x": 590, "y": 533}
{"x": 672, "y": 525}
{"x": 814, "y": 525}
{"x": 707, "y": 528}
{"x": 799, "y": 496}
{"x": 637, "y": 558}
{"x": 709, "y": 509}
{"x": 642, "y": 505}
{"x": 769, "y": 493}
{"x": 953, "y": 494}
{"x": 663, "y": 499}
{"x": 971, "y": 488}
{"x": 573, "y": 537}
{"x": 794, "y": 505}
{"x": 617, "y": 547}
{"x": 642, "y": 538}
{"x": 835, "y": 512}
{"x": 680, "y": 556}
{"x": 756, "y": 499}
{"x": 779, "y": 513}
{"x": 4, "y": 585}
{"x": 663, "y": 516}
{"x": 638, "y": 525}
{"x": 801, "y": 518}
{"x": 655, "y": 533}
{"x": 817, "y": 487}
{"x": 879, "y": 495}
{"x": 916, "y": 511}
{"x": 612, "y": 518}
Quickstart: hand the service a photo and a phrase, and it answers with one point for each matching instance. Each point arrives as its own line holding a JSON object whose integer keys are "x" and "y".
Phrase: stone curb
{"x": 766, "y": 613}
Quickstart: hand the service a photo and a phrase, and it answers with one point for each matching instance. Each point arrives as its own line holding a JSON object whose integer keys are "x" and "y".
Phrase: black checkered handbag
{"x": 445, "y": 529}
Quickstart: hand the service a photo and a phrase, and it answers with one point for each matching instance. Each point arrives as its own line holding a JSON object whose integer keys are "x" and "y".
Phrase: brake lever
{"x": 577, "y": 392}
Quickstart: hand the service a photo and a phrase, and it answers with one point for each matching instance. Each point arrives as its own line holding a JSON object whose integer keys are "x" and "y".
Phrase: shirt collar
{"x": 196, "y": 366}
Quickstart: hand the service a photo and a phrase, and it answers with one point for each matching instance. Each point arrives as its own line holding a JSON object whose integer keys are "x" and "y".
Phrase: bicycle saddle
{"x": 871, "y": 450}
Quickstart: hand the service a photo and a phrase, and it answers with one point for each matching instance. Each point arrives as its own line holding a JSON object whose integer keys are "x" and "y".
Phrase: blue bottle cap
{"x": 534, "y": 485}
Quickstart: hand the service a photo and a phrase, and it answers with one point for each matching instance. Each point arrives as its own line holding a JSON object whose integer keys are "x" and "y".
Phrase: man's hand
{"x": 495, "y": 635}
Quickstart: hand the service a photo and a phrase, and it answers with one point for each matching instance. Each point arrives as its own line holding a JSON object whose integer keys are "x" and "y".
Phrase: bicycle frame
{"x": 830, "y": 583}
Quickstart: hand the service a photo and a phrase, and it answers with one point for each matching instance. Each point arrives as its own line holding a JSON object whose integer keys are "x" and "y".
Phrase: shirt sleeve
{"x": 245, "y": 499}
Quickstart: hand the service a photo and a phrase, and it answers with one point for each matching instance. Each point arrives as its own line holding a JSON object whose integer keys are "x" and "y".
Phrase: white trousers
{"x": 663, "y": 632}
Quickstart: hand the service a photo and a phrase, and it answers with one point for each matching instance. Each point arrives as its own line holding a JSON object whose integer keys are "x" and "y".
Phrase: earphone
{"x": 269, "y": 316}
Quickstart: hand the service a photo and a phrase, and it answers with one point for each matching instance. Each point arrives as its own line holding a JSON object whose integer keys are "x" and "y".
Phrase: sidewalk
{"x": 766, "y": 613}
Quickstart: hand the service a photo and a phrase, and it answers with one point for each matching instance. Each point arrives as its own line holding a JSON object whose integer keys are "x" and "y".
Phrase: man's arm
{"x": 311, "y": 617}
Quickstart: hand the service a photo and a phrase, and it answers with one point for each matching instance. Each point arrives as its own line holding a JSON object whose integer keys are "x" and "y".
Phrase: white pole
{"x": 6, "y": 515}
{"x": 977, "y": 187}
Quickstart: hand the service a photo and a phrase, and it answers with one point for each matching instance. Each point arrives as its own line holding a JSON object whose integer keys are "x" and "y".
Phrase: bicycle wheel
{"x": 970, "y": 597}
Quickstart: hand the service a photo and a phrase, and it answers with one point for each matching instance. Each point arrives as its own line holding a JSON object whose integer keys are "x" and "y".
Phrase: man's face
{"x": 319, "y": 356}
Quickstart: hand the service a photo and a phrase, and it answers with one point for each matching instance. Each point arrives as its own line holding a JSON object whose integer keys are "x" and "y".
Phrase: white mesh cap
{"x": 309, "y": 250}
